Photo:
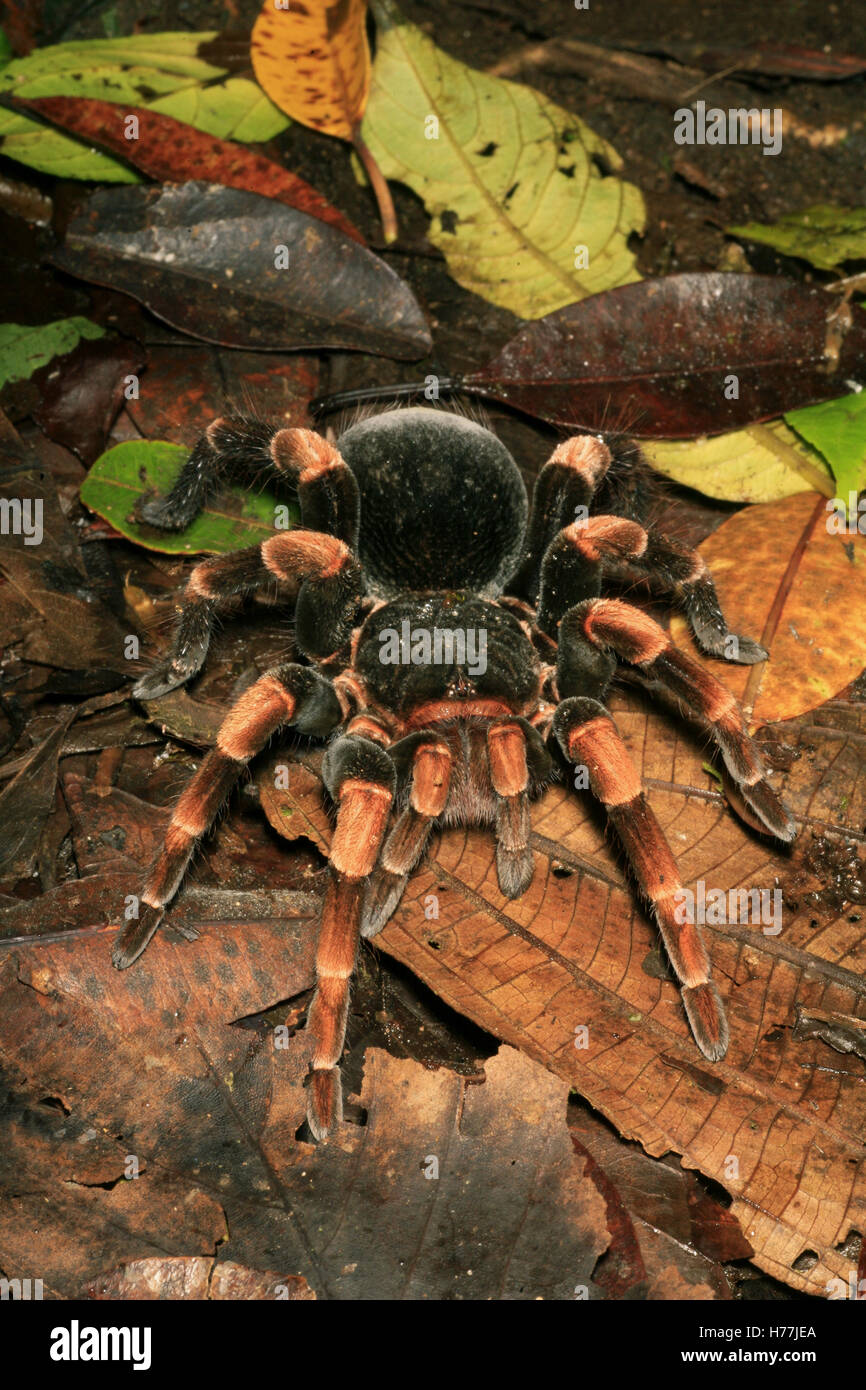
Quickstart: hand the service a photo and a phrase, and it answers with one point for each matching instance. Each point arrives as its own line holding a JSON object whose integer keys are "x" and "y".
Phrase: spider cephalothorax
{"x": 450, "y": 634}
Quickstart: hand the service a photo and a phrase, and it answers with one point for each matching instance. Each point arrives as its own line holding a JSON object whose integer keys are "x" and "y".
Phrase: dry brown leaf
{"x": 577, "y": 951}
{"x": 191, "y": 1277}
{"x": 801, "y": 592}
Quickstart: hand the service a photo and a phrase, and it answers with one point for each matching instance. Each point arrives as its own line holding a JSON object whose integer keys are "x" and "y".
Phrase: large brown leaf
{"x": 663, "y": 352}
{"x": 211, "y": 261}
{"x": 577, "y": 951}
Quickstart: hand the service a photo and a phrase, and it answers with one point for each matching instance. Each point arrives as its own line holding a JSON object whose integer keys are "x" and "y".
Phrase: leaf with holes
{"x": 128, "y": 471}
{"x": 517, "y": 203}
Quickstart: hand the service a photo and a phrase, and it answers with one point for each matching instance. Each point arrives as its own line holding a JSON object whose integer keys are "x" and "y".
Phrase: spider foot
{"x": 164, "y": 512}
{"x": 743, "y": 651}
{"x": 762, "y": 800}
{"x": 514, "y": 870}
{"x": 168, "y": 675}
{"x": 324, "y": 1101}
{"x": 135, "y": 936}
{"x": 707, "y": 1019}
{"x": 382, "y": 901}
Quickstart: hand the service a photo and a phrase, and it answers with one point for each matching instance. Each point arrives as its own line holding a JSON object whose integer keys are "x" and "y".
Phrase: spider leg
{"x": 516, "y": 755}
{"x": 635, "y": 637}
{"x": 430, "y": 772}
{"x": 588, "y": 736}
{"x": 323, "y": 569}
{"x": 360, "y": 776}
{"x": 582, "y": 554}
{"x": 287, "y": 695}
{"x": 243, "y": 448}
{"x": 566, "y": 482}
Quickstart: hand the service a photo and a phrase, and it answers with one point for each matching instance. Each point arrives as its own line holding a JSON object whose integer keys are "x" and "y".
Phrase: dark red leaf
{"x": 661, "y": 354}
{"x": 207, "y": 259}
{"x": 81, "y": 393}
{"x": 171, "y": 151}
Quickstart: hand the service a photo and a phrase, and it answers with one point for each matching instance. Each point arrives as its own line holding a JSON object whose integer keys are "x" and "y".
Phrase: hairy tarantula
{"x": 418, "y": 526}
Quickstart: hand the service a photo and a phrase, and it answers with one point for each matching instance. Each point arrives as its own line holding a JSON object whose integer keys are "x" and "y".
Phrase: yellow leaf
{"x": 313, "y": 60}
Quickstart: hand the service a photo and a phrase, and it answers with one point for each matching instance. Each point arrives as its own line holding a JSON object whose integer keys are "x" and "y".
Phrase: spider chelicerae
{"x": 453, "y": 638}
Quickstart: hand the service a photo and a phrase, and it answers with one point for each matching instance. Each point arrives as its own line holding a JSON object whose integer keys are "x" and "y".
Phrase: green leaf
{"x": 825, "y": 236}
{"x": 24, "y": 348}
{"x": 159, "y": 71}
{"x": 508, "y": 178}
{"x": 838, "y": 429}
{"x": 171, "y": 58}
{"x": 762, "y": 463}
{"x": 6, "y": 53}
{"x": 236, "y": 109}
{"x": 121, "y": 475}
{"x": 52, "y": 152}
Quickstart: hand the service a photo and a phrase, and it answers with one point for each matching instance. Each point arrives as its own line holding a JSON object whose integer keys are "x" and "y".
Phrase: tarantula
{"x": 416, "y": 529}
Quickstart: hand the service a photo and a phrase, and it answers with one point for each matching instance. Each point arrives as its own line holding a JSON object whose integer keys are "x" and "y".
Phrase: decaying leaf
{"x": 170, "y": 150}
{"x": 678, "y": 356}
{"x": 794, "y": 583}
{"x": 780, "y": 1122}
{"x": 232, "y": 267}
{"x": 517, "y": 204}
{"x": 314, "y": 62}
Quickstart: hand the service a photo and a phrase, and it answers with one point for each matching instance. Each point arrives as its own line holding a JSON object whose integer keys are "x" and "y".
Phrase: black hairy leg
{"x": 246, "y": 449}
{"x": 319, "y": 570}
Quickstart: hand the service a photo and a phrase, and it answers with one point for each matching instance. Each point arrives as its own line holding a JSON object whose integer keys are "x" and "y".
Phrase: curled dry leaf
{"x": 193, "y": 1277}
{"x": 799, "y": 589}
{"x": 232, "y": 267}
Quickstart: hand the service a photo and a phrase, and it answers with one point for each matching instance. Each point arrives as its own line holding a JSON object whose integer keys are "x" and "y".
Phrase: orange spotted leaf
{"x": 313, "y": 60}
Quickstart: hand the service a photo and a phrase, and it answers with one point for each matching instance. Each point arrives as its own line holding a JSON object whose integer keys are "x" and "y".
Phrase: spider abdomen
{"x": 443, "y": 505}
